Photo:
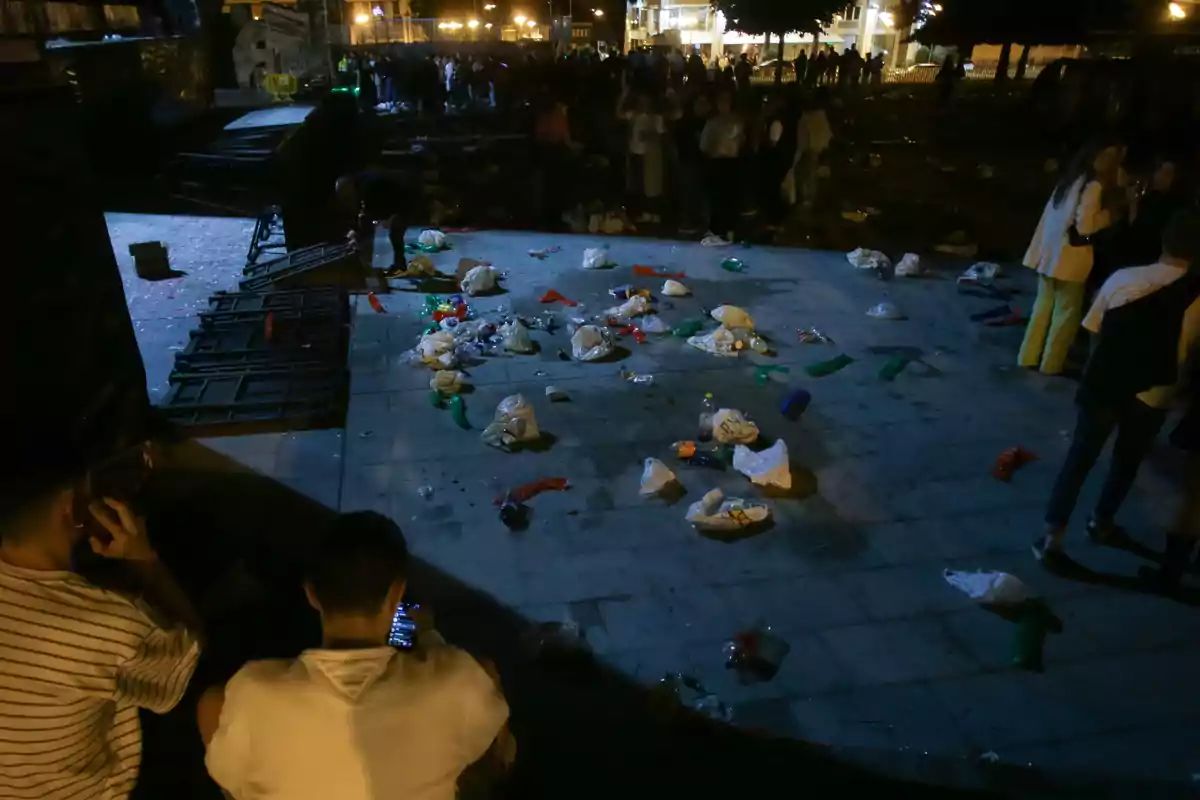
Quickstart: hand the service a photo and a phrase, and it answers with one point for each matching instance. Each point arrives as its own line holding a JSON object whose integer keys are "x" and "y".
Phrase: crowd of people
{"x": 354, "y": 717}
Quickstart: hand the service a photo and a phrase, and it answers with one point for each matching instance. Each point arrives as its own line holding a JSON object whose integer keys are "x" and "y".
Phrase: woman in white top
{"x": 1074, "y": 212}
{"x": 644, "y": 170}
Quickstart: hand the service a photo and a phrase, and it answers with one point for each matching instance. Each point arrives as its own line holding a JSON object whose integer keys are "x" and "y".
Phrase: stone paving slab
{"x": 888, "y": 663}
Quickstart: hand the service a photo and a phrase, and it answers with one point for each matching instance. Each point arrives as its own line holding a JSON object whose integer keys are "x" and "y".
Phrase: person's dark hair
{"x": 356, "y": 561}
{"x": 1181, "y": 236}
{"x": 1081, "y": 166}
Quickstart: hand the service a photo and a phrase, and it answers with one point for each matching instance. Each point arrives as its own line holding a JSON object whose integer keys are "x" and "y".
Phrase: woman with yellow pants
{"x": 1062, "y": 257}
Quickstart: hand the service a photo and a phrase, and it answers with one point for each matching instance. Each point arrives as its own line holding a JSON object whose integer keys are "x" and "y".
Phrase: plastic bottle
{"x": 459, "y": 412}
{"x": 759, "y": 344}
{"x": 707, "y": 409}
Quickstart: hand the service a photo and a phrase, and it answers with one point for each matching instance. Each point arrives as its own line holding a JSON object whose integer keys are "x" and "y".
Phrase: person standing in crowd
{"x": 776, "y": 154}
{"x": 355, "y": 718}
{"x": 1062, "y": 254}
{"x": 1184, "y": 534}
{"x": 644, "y": 163}
{"x": 813, "y": 137}
{"x": 742, "y": 72}
{"x": 689, "y": 172}
{"x": 1148, "y": 323}
{"x": 1139, "y": 239}
{"x": 721, "y": 142}
{"x": 80, "y": 660}
{"x": 555, "y": 160}
{"x": 817, "y": 69}
{"x": 800, "y": 65}
{"x": 833, "y": 66}
{"x": 697, "y": 74}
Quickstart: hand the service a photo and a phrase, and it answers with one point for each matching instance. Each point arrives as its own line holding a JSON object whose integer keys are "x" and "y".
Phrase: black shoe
{"x": 1049, "y": 554}
{"x": 1106, "y": 534}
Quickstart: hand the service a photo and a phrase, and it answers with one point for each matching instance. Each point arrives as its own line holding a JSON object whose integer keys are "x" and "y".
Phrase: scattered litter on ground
{"x": 713, "y": 458}
{"x": 885, "y": 310}
{"x": 673, "y": 288}
{"x": 715, "y": 512}
{"x": 595, "y": 258}
{"x": 712, "y": 240}
{"x": 684, "y": 691}
{"x": 516, "y": 337}
{"x": 544, "y": 253}
{"x": 458, "y": 412}
{"x": 432, "y": 238}
{"x": 514, "y": 515}
{"x": 626, "y": 291}
{"x": 654, "y": 272}
{"x": 733, "y": 317}
{"x": 719, "y": 342}
{"x": 653, "y": 323}
{"x": 823, "y": 368}
{"x": 993, "y": 313}
{"x": 768, "y": 467}
{"x": 763, "y": 373}
{"x": 909, "y": 266}
{"x": 513, "y": 424}
{"x": 552, "y": 296}
{"x": 656, "y": 476}
{"x": 812, "y": 336}
{"x": 436, "y": 350}
{"x": 527, "y": 491}
{"x": 480, "y": 280}
{"x": 988, "y": 588}
{"x": 688, "y": 327}
{"x": 1010, "y": 461}
{"x": 375, "y": 304}
{"x": 425, "y": 492}
{"x": 730, "y": 426}
{"x": 755, "y": 654}
{"x": 794, "y": 404}
{"x": 981, "y": 271}
{"x": 635, "y": 306}
{"x": 555, "y": 394}
{"x": 863, "y": 258}
{"x": 639, "y": 378}
{"x": 447, "y": 381}
{"x": 894, "y": 367}
{"x": 733, "y": 265}
{"x": 590, "y": 343}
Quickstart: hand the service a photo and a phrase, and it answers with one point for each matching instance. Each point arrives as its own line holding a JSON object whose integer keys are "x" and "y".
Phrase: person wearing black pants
{"x": 1147, "y": 320}
{"x": 721, "y": 142}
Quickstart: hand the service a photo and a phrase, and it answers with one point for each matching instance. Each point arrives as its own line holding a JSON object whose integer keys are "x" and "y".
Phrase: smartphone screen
{"x": 404, "y": 629}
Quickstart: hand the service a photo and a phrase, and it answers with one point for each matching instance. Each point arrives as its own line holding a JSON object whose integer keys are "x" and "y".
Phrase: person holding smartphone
{"x": 77, "y": 660}
{"x": 356, "y": 718}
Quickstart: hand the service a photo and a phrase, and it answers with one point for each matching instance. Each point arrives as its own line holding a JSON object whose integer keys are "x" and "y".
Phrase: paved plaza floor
{"x": 889, "y": 665}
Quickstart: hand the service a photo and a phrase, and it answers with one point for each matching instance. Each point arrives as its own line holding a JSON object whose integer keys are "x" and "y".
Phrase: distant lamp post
{"x": 519, "y": 19}
{"x": 1176, "y": 12}
{"x": 473, "y": 23}
{"x": 599, "y": 12}
{"x": 489, "y": 7}
{"x": 531, "y": 23}
{"x": 362, "y": 19}
{"x": 886, "y": 18}
{"x": 488, "y": 26}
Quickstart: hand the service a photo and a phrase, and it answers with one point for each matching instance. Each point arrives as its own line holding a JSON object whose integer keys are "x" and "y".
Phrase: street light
{"x": 519, "y": 19}
{"x": 361, "y": 19}
{"x": 531, "y": 23}
{"x": 1176, "y": 12}
{"x": 599, "y": 12}
{"x": 887, "y": 19}
{"x": 489, "y": 7}
{"x": 473, "y": 23}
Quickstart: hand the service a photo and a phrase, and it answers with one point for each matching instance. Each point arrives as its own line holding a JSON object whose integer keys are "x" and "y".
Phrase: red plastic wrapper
{"x": 553, "y": 296}
{"x": 460, "y": 313}
{"x": 634, "y": 331}
{"x": 651, "y": 272}
{"x": 528, "y": 491}
{"x": 375, "y": 304}
{"x": 1010, "y": 461}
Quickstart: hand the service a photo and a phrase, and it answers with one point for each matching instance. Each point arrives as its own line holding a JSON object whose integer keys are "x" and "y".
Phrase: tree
{"x": 779, "y": 17}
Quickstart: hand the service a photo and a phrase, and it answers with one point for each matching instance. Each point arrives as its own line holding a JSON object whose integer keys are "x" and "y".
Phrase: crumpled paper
{"x": 595, "y": 258}
{"x": 656, "y": 476}
{"x": 479, "y": 280}
{"x": 863, "y": 258}
{"x": 590, "y": 343}
{"x": 768, "y": 467}
{"x": 432, "y": 238}
{"x": 513, "y": 423}
{"x": 730, "y": 426}
{"x": 673, "y": 288}
{"x": 715, "y": 512}
{"x": 989, "y": 588}
{"x": 909, "y": 266}
{"x": 733, "y": 317}
{"x": 720, "y": 342}
{"x": 635, "y": 306}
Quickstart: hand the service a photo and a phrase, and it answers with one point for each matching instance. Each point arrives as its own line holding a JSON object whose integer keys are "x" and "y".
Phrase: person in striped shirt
{"x": 77, "y": 661}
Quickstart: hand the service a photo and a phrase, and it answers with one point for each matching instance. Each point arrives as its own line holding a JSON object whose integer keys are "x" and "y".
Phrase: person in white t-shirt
{"x": 355, "y": 718}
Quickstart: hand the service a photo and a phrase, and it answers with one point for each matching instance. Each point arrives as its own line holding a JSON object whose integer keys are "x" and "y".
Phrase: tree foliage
{"x": 760, "y": 17}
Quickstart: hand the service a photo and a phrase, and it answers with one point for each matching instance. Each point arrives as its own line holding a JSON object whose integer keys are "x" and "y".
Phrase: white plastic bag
{"x": 595, "y": 258}
{"x": 655, "y": 477}
{"x": 635, "y": 306}
{"x": 719, "y": 342}
{"x": 769, "y": 467}
{"x": 714, "y": 512}
{"x": 590, "y": 343}
{"x": 909, "y": 266}
{"x": 516, "y": 337}
{"x": 479, "y": 280}
{"x": 653, "y": 323}
{"x": 447, "y": 381}
{"x": 730, "y": 426}
{"x": 673, "y": 288}
{"x": 868, "y": 259}
{"x": 989, "y": 588}
{"x": 982, "y": 271}
{"x": 733, "y": 317}
{"x": 434, "y": 347}
{"x": 514, "y": 423}
{"x": 432, "y": 238}
{"x": 712, "y": 240}
{"x": 885, "y": 310}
